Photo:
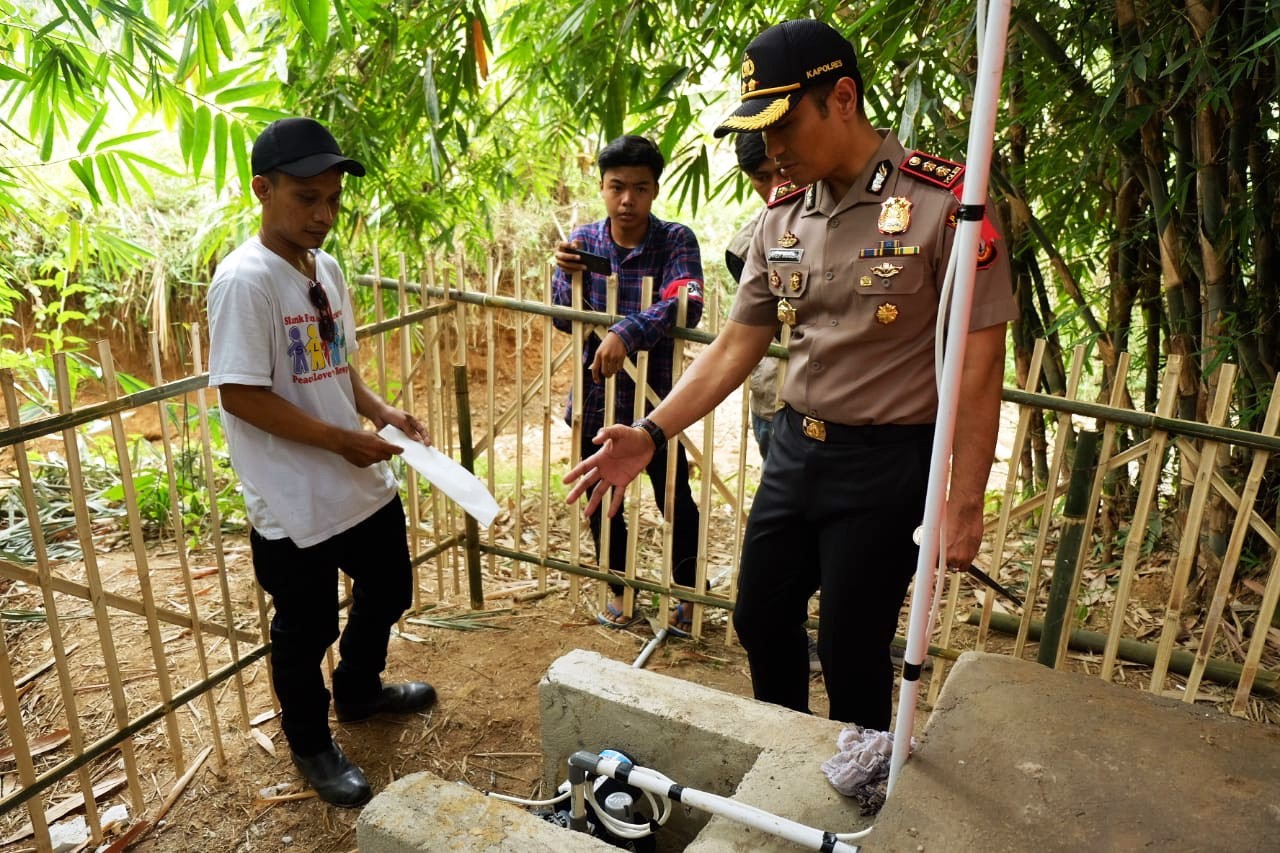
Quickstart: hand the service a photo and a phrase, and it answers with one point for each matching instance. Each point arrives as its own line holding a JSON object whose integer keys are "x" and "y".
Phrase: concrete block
{"x": 702, "y": 738}
{"x": 423, "y": 813}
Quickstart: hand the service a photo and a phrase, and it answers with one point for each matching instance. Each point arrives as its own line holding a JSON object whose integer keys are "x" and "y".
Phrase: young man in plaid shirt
{"x": 637, "y": 244}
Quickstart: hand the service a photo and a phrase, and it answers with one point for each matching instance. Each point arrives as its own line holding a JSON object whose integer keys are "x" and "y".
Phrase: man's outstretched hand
{"x": 624, "y": 452}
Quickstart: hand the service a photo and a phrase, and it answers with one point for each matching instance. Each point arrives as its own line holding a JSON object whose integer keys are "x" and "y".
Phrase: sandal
{"x": 680, "y": 624}
{"x": 613, "y": 618}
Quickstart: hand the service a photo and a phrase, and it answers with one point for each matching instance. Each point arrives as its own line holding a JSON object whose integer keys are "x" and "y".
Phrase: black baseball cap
{"x": 301, "y": 147}
{"x": 780, "y": 64}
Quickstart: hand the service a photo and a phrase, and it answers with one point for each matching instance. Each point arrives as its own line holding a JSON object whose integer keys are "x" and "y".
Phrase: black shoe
{"x": 394, "y": 699}
{"x": 334, "y": 777}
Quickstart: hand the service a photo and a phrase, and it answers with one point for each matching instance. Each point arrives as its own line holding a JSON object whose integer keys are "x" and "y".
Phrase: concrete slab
{"x": 423, "y": 813}
{"x": 1018, "y": 757}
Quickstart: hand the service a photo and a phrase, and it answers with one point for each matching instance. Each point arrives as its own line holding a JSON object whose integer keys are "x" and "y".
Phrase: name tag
{"x": 788, "y": 256}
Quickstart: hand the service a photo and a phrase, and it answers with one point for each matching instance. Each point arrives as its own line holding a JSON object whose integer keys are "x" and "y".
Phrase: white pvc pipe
{"x": 658, "y": 784}
{"x": 649, "y": 648}
{"x": 977, "y": 171}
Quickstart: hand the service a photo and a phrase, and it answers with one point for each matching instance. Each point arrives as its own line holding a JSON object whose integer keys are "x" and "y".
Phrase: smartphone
{"x": 598, "y": 264}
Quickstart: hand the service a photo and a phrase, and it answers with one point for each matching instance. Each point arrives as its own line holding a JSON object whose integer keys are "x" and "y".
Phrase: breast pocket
{"x": 895, "y": 296}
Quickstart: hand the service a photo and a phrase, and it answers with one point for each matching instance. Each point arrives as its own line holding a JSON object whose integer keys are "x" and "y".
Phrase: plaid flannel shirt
{"x": 669, "y": 253}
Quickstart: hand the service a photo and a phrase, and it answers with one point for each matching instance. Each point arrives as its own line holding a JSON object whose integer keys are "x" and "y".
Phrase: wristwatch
{"x": 655, "y": 432}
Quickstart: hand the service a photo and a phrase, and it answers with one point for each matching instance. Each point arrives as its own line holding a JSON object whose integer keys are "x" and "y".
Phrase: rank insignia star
{"x": 886, "y": 313}
{"x": 787, "y": 240}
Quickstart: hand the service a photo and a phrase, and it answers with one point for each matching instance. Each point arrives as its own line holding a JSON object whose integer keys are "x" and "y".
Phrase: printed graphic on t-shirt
{"x": 313, "y": 358}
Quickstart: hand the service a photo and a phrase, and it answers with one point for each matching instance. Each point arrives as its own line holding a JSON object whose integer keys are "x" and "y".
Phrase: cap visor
{"x": 311, "y": 166}
{"x": 756, "y": 114}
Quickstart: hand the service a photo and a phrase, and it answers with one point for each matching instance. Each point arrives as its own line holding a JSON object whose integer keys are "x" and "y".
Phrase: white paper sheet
{"x": 446, "y": 475}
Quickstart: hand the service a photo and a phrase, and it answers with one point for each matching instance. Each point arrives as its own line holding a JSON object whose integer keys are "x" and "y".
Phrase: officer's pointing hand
{"x": 624, "y": 453}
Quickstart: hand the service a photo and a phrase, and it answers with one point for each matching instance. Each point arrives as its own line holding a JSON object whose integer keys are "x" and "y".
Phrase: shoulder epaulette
{"x": 785, "y": 192}
{"x": 932, "y": 170}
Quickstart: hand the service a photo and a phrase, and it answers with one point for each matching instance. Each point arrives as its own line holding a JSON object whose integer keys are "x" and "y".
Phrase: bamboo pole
{"x": 491, "y": 400}
{"x": 379, "y": 314}
{"x": 1119, "y": 393}
{"x": 215, "y": 537}
{"x": 22, "y": 748}
{"x": 518, "y": 291}
{"x": 708, "y": 453}
{"x": 939, "y": 673}
{"x": 633, "y": 488}
{"x": 1010, "y": 486}
{"x": 435, "y": 416}
{"x": 1134, "y": 651}
{"x": 1071, "y": 543}
{"x": 576, "y": 283}
{"x": 142, "y": 565}
{"x": 409, "y": 399}
{"x": 184, "y": 563}
{"x": 1142, "y": 509}
{"x": 44, "y": 582}
{"x": 1249, "y": 673}
{"x": 1051, "y": 491}
{"x": 1189, "y": 548}
{"x": 102, "y": 618}
{"x": 1227, "y": 572}
{"x": 603, "y": 557}
{"x": 545, "y": 520}
{"x": 453, "y": 416}
{"x": 669, "y": 492}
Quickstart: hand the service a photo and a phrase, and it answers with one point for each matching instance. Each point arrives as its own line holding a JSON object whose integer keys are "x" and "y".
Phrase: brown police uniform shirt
{"x": 862, "y": 346}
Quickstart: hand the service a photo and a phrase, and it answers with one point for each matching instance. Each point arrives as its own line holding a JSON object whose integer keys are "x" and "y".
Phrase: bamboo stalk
{"x": 1010, "y": 486}
{"x": 575, "y": 429}
{"x": 475, "y": 583}
{"x": 491, "y": 391}
{"x": 544, "y": 527}
{"x": 119, "y": 703}
{"x": 1075, "y": 510}
{"x": 180, "y": 545}
{"x": 633, "y": 488}
{"x": 518, "y": 290}
{"x": 669, "y": 493}
{"x": 435, "y": 403}
{"x": 1119, "y": 393}
{"x": 43, "y": 580}
{"x": 708, "y": 453}
{"x": 603, "y": 557}
{"x": 1189, "y": 547}
{"x": 19, "y": 744}
{"x": 1257, "y": 643}
{"x": 1141, "y": 511}
{"x": 1227, "y": 573}
{"x": 215, "y": 536}
{"x": 1046, "y": 518}
{"x": 407, "y": 393}
{"x": 142, "y": 563}
{"x": 379, "y": 314}
{"x": 939, "y": 673}
{"x": 1134, "y": 651}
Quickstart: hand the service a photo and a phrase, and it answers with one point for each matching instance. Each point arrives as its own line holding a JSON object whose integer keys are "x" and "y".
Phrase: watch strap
{"x": 655, "y": 432}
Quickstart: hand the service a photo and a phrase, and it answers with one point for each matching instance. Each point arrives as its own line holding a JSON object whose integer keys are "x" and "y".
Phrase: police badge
{"x": 895, "y": 215}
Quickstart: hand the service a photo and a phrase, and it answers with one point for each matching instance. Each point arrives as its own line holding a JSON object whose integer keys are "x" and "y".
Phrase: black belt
{"x": 833, "y": 433}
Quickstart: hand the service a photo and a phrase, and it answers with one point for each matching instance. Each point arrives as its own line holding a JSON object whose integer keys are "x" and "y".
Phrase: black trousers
{"x": 835, "y": 516}
{"x": 303, "y": 585}
{"x": 684, "y": 535}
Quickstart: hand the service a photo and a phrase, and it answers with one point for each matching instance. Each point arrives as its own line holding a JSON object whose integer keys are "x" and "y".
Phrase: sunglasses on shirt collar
{"x": 320, "y": 299}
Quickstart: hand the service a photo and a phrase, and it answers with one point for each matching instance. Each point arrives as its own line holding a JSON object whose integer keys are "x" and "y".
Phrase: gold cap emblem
{"x": 895, "y": 215}
{"x": 886, "y": 313}
{"x": 748, "y": 66}
{"x": 787, "y": 240}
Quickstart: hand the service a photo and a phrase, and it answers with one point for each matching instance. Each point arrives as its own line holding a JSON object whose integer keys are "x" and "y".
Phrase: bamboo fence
{"x": 132, "y": 691}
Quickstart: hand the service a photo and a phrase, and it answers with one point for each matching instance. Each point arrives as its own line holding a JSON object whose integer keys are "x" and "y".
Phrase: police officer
{"x": 853, "y": 260}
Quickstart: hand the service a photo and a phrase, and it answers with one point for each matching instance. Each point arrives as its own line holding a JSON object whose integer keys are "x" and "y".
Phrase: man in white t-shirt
{"x": 317, "y": 489}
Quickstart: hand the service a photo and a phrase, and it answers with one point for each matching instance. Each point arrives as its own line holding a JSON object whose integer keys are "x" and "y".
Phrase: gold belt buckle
{"x": 815, "y": 429}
